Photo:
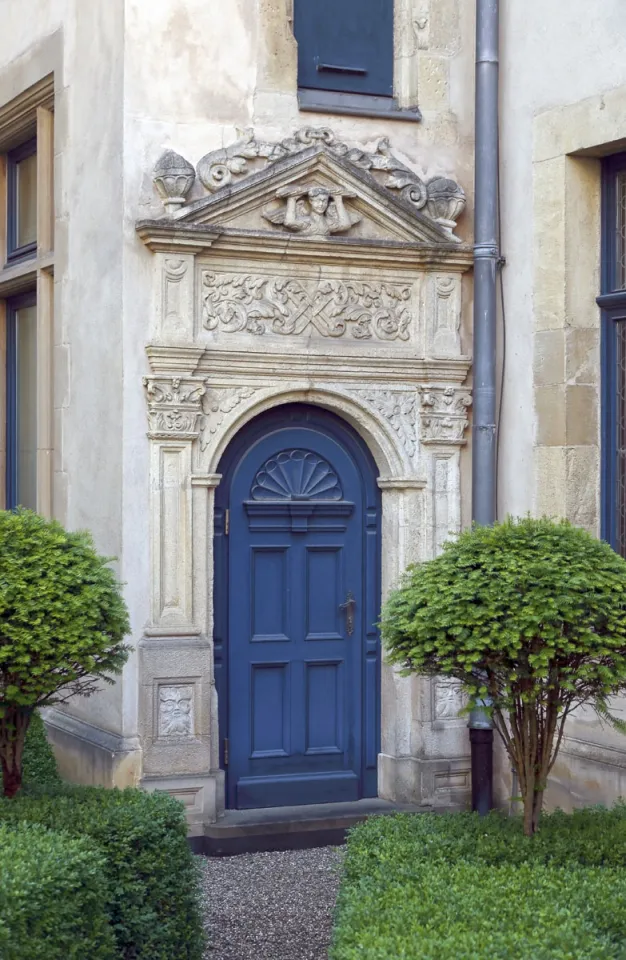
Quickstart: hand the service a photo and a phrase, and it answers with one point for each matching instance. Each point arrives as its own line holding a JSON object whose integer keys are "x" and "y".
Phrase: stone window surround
{"x": 410, "y": 34}
{"x": 28, "y": 91}
{"x": 569, "y": 143}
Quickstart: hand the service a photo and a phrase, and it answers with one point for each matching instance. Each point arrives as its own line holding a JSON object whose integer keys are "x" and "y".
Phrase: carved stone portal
{"x": 311, "y": 272}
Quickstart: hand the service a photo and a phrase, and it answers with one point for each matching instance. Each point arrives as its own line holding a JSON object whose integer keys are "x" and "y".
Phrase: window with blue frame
{"x": 21, "y": 402}
{"x": 21, "y": 234}
{"x": 345, "y": 49}
{"x": 613, "y": 305}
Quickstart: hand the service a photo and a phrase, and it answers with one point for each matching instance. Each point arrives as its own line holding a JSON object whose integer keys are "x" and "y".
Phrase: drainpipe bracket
{"x": 486, "y": 251}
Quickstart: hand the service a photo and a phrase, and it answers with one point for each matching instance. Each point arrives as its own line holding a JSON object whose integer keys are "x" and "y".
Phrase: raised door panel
{"x": 324, "y": 592}
{"x": 270, "y": 710}
{"x": 269, "y": 594}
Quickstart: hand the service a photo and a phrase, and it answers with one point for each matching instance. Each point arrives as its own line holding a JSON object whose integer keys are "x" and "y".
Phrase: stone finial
{"x": 173, "y": 177}
{"x": 446, "y": 202}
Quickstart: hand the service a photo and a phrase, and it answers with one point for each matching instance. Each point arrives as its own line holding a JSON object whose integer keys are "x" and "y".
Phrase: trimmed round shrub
{"x": 152, "y": 876}
{"x": 53, "y": 897}
{"x": 530, "y": 617}
{"x": 62, "y": 625}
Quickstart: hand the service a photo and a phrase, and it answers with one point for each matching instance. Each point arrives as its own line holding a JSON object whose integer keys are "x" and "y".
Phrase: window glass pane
{"x": 26, "y": 197}
{"x": 26, "y": 412}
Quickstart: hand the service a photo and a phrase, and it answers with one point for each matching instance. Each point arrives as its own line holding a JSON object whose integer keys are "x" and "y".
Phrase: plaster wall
{"x": 556, "y": 122}
{"x": 552, "y": 55}
{"x": 82, "y": 45}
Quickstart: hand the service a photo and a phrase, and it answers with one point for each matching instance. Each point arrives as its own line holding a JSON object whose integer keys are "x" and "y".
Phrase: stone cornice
{"x": 165, "y": 236}
{"x": 251, "y": 366}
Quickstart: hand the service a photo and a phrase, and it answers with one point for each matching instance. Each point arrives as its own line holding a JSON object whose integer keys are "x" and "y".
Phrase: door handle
{"x": 349, "y": 606}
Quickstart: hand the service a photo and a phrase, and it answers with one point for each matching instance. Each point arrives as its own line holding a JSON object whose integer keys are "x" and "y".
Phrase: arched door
{"x": 297, "y": 592}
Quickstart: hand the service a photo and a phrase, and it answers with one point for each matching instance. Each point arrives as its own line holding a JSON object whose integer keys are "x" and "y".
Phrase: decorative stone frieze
{"x": 444, "y": 414}
{"x": 175, "y": 713}
{"x": 174, "y": 406}
{"x": 281, "y": 305}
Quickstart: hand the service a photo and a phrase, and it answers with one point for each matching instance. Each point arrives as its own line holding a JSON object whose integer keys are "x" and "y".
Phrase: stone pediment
{"x": 311, "y": 187}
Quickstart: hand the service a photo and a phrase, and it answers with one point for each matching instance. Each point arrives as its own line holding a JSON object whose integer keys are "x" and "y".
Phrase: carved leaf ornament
{"x": 296, "y": 475}
{"x": 261, "y": 304}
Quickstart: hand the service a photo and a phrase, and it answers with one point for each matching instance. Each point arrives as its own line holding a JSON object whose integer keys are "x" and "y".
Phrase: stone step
{"x": 290, "y": 828}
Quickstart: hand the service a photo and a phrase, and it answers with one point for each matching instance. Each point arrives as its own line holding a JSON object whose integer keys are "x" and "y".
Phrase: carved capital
{"x": 174, "y": 407}
{"x": 444, "y": 413}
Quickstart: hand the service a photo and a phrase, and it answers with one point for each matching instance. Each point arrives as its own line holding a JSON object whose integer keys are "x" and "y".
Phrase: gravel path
{"x": 271, "y": 906}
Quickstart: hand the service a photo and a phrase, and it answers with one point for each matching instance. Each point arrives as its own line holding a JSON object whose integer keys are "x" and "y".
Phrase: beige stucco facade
{"x": 150, "y": 378}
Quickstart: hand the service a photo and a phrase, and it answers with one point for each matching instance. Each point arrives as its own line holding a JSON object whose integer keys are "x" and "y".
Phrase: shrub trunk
{"x": 13, "y": 726}
{"x": 529, "y": 738}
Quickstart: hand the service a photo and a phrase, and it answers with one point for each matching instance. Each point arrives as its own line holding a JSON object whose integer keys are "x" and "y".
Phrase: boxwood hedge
{"x": 53, "y": 896}
{"x": 428, "y": 887}
{"x": 150, "y": 873}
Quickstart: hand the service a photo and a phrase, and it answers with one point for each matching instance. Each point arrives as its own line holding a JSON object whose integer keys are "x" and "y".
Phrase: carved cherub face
{"x": 319, "y": 200}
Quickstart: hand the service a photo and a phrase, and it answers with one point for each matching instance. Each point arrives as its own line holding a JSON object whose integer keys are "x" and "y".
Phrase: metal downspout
{"x": 486, "y": 262}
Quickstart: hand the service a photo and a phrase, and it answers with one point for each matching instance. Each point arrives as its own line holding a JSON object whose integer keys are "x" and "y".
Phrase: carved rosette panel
{"x": 175, "y": 711}
{"x": 174, "y": 406}
{"x": 399, "y": 409}
{"x": 246, "y": 303}
{"x": 448, "y": 699}
{"x": 444, "y": 414}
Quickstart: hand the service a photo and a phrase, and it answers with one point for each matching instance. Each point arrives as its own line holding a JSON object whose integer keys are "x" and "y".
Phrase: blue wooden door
{"x": 302, "y": 701}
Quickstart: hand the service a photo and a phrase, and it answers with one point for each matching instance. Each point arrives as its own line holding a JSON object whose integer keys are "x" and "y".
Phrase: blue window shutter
{"x": 345, "y": 45}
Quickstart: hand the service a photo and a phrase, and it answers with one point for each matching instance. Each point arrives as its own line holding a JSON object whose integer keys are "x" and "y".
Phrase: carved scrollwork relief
{"x": 444, "y": 414}
{"x": 174, "y": 406}
{"x": 234, "y": 303}
{"x": 175, "y": 711}
{"x": 399, "y": 409}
